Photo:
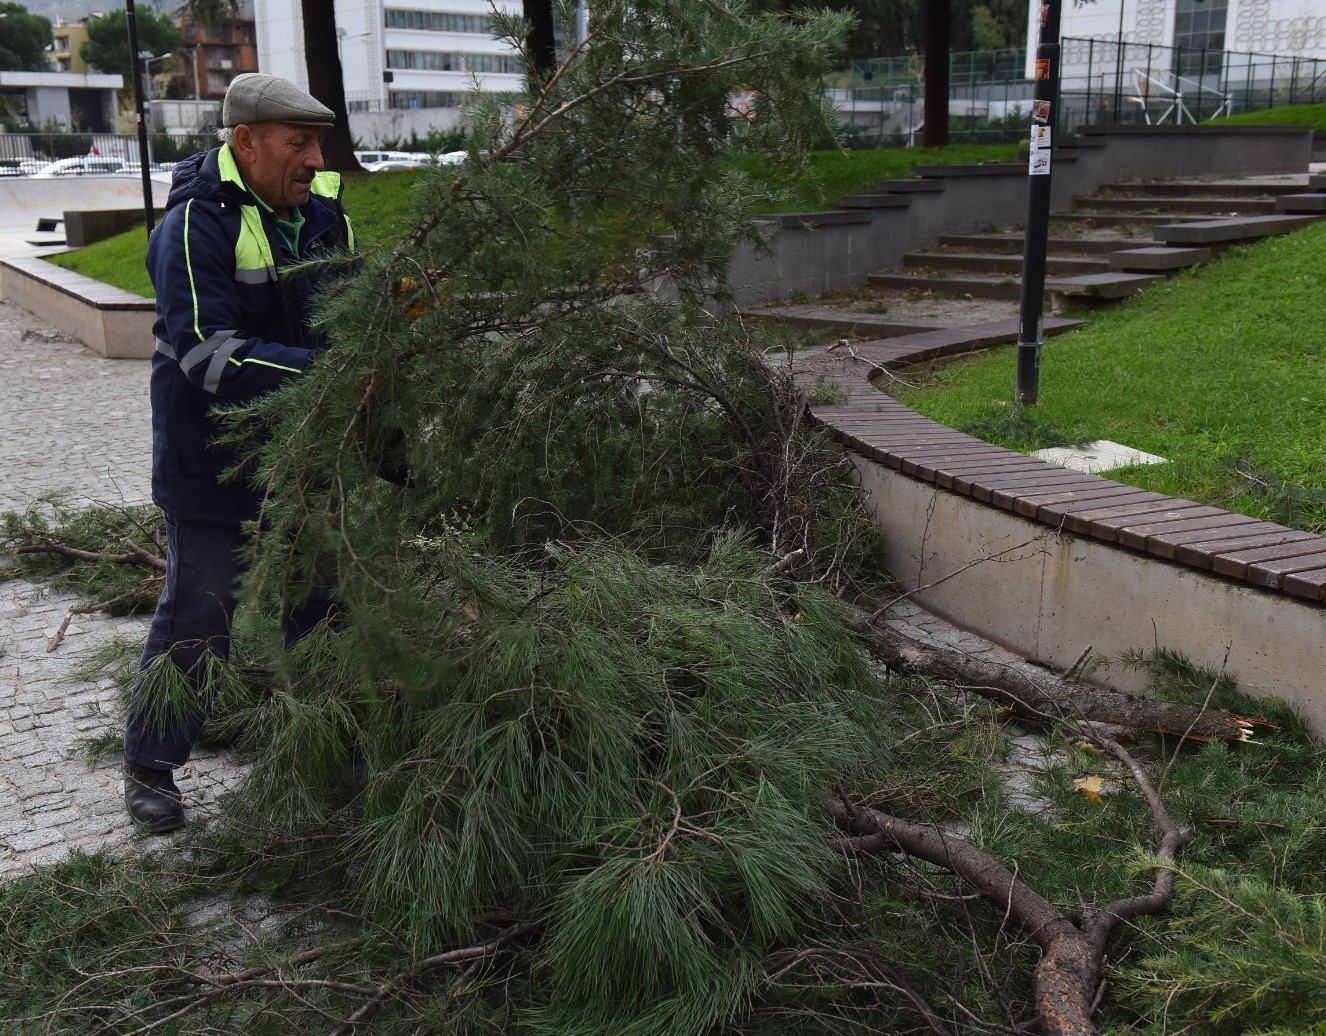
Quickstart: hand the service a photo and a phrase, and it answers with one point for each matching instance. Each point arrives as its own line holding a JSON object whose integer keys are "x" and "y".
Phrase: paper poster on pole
{"x": 1040, "y": 163}
{"x": 1040, "y": 137}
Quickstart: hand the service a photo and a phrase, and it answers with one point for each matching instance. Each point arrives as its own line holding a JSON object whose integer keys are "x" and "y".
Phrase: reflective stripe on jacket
{"x": 230, "y": 325}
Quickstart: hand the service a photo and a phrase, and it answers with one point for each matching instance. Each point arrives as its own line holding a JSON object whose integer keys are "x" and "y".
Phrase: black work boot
{"x": 153, "y": 800}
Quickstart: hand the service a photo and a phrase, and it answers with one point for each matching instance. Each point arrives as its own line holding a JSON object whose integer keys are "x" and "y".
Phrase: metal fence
{"x": 50, "y": 147}
{"x": 1105, "y": 81}
{"x": 881, "y": 102}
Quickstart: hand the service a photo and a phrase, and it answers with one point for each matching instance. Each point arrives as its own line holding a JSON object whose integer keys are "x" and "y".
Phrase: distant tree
{"x": 107, "y": 46}
{"x": 24, "y": 38}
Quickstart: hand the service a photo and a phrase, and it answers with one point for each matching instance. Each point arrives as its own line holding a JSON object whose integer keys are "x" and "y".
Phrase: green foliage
{"x": 1248, "y": 958}
{"x": 108, "y": 534}
{"x": 1219, "y": 370}
{"x": 107, "y": 45}
{"x": 24, "y": 38}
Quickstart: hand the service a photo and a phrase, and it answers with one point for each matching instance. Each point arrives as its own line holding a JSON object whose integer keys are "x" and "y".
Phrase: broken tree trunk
{"x": 1045, "y": 696}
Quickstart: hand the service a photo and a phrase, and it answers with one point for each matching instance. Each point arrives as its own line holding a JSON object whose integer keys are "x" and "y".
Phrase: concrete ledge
{"x": 1048, "y": 561}
{"x": 1236, "y": 228}
{"x": 1157, "y": 257}
{"x": 115, "y": 323}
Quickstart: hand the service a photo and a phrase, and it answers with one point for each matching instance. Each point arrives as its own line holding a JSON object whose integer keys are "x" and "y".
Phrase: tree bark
{"x": 1045, "y": 696}
{"x": 322, "y": 58}
{"x": 938, "y": 20}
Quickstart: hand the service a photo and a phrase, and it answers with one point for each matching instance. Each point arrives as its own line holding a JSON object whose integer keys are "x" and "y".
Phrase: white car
{"x": 83, "y": 165}
{"x": 395, "y": 165}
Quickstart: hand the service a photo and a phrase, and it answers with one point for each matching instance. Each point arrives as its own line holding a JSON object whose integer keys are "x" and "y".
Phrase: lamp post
{"x": 144, "y": 159}
{"x": 147, "y": 67}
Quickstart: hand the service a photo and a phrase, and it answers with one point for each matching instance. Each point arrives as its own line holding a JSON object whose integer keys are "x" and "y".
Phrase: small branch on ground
{"x": 135, "y": 556}
{"x": 1067, "y": 981}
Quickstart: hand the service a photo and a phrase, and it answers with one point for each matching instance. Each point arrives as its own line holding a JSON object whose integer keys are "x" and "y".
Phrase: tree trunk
{"x": 541, "y": 44}
{"x": 1045, "y": 696}
{"x": 938, "y": 18}
{"x": 322, "y": 58}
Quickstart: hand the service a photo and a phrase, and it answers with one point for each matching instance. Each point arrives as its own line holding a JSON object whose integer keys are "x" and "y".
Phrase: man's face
{"x": 278, "y": 160}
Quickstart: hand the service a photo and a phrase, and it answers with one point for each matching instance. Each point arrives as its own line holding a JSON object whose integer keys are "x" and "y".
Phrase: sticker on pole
{"x": 1040, "y": 163}
{"x": 1042, "y": 68}
{"x": 1040, "y": 111}
{"x": 1040, "y": 137}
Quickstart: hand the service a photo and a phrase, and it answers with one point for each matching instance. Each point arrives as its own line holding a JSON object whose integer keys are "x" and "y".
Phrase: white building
{"x": 1185, "y": 60}
{"x": 407, "y": 64}
{"x": 1288, "y": 28}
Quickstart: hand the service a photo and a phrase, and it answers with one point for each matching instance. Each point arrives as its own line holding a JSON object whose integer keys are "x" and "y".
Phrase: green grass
{"x": 1220, "y": 370}
{"x": 376, "y": 202}
{"x": 1313, "y": 115}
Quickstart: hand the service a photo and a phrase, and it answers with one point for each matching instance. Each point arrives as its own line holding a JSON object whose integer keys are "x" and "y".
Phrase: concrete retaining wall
{"x": 812, "y": 253}
{"x": 115, "y": 323}
{"x": 1048, "y": 595}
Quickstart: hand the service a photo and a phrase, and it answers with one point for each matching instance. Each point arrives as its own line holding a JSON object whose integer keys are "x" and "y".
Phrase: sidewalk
{"x": 72, "y": 420}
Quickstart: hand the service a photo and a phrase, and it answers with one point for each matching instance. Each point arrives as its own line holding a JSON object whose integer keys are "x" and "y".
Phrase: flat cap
{"x": 254, "y": 97}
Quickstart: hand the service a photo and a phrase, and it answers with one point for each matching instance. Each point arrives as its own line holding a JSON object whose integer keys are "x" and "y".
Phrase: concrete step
{"x": 1301, "y": 202}
{"x": 1091, "y": 286}
{"x": 1223, "y": 231}
{"x": 1224, "y": 206}
{"x": 842, "y": 322}
{"x": 1317, "y": 182}
{"x": 1157, "y": 258}
{"x": 978, "y": 262}
{"x": 1100, "y": 285}
{"x": 974, "y": 286}
{"x": 874, "y": 201}
{"x": 915, "y": 185}
{"x": 1013, "y": 243}
{"x": 1119, "y": 219}
{"x": 1196, "y": 188}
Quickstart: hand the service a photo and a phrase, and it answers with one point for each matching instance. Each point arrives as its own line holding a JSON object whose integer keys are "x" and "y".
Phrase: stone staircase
{"x": 1112, "y": 243}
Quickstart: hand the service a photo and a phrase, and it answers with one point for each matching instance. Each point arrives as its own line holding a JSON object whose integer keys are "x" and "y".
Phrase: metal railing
{"x": 50, "y": 147}
{"x": 881, "y": 101}
{"x": 1105, "y": 81}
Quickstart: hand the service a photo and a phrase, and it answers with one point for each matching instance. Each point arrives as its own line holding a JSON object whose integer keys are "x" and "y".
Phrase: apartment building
{"x": 68, "y": 36}
{"x": 214, "y": 55}
{"x": 398, "y": 55}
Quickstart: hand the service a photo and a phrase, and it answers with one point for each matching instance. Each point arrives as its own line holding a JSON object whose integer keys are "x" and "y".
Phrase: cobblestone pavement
{"x": 77, "y": 421}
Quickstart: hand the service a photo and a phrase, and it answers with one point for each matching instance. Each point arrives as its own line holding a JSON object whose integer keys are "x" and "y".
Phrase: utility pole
{"x": 144, "y": 161}
{"x": 1031, "y": 331}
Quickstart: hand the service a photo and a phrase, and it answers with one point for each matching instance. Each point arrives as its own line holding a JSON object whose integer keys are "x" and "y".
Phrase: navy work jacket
{"x": 229, "y": 325}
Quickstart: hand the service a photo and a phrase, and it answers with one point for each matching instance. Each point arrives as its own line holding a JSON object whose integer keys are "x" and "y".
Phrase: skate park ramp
{"x": 24, "y": 201}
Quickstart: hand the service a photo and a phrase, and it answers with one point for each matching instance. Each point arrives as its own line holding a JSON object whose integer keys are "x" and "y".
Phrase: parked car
{"x": 9, "y": 167}
{"x": 83, "y": 165}
{"x": 394, "y": 165}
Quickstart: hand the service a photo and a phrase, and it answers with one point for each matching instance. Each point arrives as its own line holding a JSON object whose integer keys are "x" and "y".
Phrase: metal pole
{"x": 144, "y": 163}
{"x": 1043, "y": 115}
{"x": 1118, "y": 64}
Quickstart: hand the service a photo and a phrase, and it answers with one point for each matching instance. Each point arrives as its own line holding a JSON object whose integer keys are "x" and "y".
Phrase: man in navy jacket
{"x": 230, "y": 326}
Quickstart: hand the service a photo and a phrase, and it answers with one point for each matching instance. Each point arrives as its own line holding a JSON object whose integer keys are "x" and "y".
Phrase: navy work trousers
{"x": 203, "y": 567}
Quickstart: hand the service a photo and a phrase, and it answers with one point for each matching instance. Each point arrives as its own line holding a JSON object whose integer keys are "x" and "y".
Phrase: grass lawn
{"x": 1313, "y": 115}
{"x": 377, "y": 201}
{"x": 1220, "y": 370}
{"x": 374, "y": 202}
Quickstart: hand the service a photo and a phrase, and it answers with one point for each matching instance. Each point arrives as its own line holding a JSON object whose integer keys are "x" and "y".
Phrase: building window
{"x": 439, "y": 21}
{"x": 442, "y": 61}
{"x": 1199, "y": 36}
{"x": 426, "y": 99}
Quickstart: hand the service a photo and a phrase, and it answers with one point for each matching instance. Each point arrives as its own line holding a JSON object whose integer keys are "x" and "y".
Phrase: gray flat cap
{"x": 254, "y": 97}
